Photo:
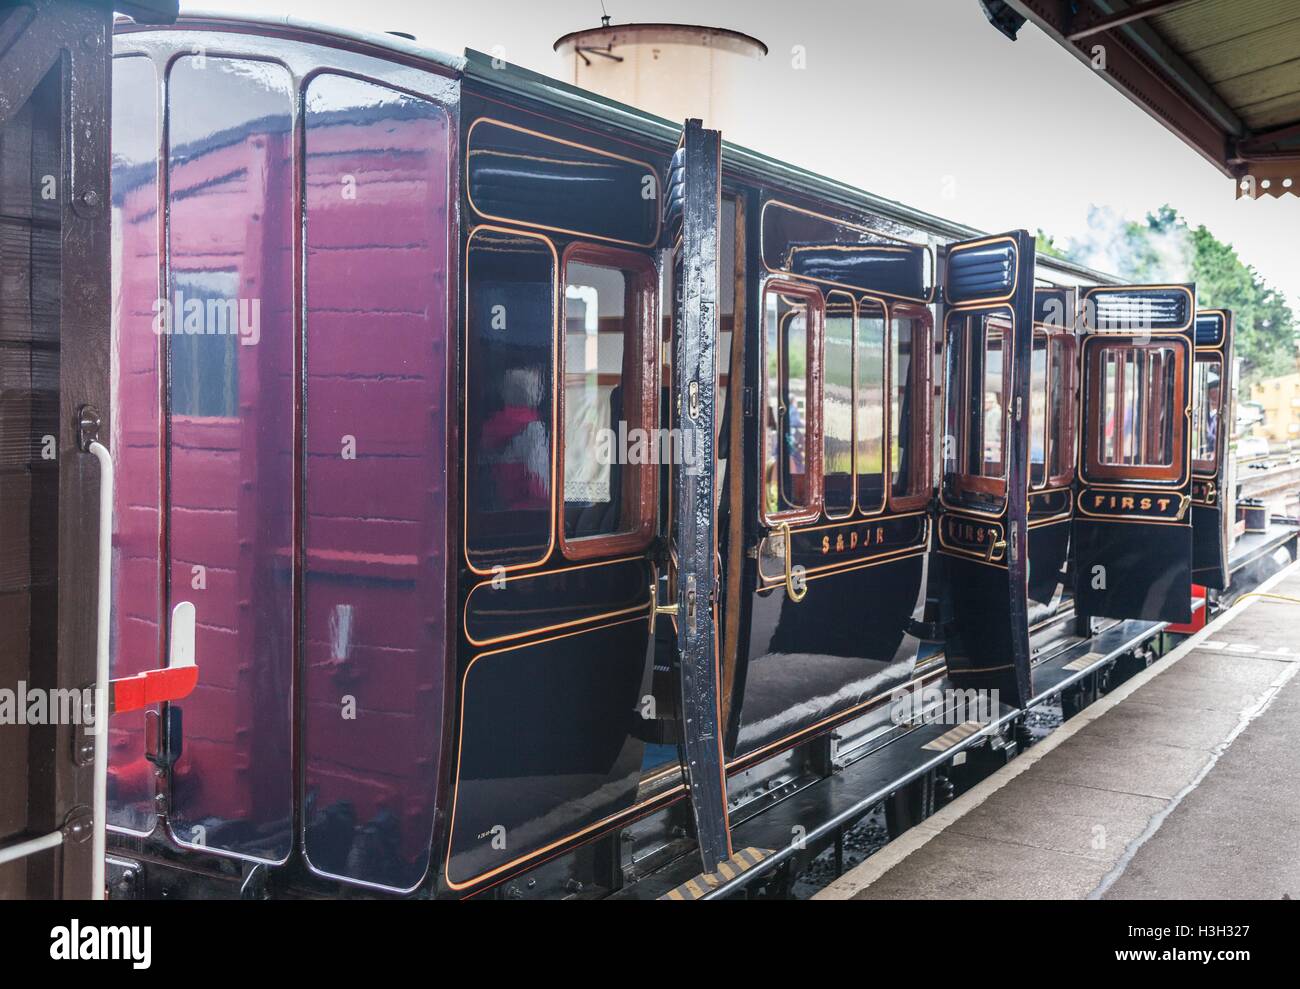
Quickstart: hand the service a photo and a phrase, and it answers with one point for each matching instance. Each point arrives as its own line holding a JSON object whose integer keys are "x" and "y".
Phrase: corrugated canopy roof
{"x": 1224, "y": 75}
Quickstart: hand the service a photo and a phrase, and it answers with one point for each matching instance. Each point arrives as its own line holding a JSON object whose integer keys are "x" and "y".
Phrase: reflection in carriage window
{"x": 509, "y": 398}
{"x": 1205, "y": 436}
{"x": 786, "y": 337}
{"x": 230, "y": 440}
{"x": 607, "y": 313}
{"x": 837, "y": 405}
{"x": 204, "y": 366}
{"x": 871, "y": 405}
{"x": 1038, "y": 405}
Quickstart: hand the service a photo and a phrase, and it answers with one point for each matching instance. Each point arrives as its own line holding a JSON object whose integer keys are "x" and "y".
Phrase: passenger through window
{"x": 1205, "y": 435}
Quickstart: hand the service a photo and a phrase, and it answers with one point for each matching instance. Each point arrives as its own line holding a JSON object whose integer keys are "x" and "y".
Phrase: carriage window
{"x": 837, "y": 405}
{"x": 608, "y": 480}
{"x": 789, "y": 330}
{"x": 975, "y": 466}
{"x": 871, "y": 406}
{"x": 909, "y": 452}
{"x": 1205, "y": 435}
{"x": 1060, "y": 386}
{"x": 1135, "y": 391}
{"x": 1038, "y": 406}
{"x": 509, "y": 398}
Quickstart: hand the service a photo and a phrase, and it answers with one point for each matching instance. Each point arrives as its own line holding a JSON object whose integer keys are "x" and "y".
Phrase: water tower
{"x": 672, "y": 70}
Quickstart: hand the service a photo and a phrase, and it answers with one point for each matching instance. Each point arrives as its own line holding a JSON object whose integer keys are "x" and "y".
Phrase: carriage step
{"x": 703, "y": 884}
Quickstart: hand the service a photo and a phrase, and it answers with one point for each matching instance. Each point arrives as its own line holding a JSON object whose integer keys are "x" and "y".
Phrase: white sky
{"x": 895, "y": 98}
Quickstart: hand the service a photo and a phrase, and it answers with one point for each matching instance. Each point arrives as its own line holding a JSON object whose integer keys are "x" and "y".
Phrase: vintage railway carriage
{"x": 569, "y": 505}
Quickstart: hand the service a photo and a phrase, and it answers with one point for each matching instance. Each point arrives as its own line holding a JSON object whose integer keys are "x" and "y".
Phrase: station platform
{"x": 1179, "y": 784}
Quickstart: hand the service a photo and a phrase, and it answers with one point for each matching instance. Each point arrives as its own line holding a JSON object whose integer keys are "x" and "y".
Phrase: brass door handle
{"x": 994, "y": 546}
{"x": 657, "y": 609}
{"x": 795, "y": 594}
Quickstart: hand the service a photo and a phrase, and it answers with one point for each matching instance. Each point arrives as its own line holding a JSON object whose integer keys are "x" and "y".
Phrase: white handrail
{"x": 102, "y": 672}
{"x": 21, "y": 849}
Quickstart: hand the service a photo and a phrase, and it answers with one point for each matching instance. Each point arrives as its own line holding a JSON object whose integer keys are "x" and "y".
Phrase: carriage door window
{"x": 1138, "y": 418}
{"x": 1061, "y": 404}
{"x": 606, "y": 444}
{"x": 870, "y": 414}
{"x": 975, "y": 462}
{"x": 790, "y": 320}
{"x": 1038, "y": 411}
{"x": 1206, "y": 426}
{"x": 509, "y": 399}
{"x": 909, "y": 407}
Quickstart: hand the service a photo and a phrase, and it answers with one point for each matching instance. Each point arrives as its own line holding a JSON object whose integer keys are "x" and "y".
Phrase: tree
{"x": 1162, "y": 248}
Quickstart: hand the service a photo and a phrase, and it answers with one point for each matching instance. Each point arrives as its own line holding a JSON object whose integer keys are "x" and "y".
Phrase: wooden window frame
{"x": 921, "y": 369}
{"x": 1175, "y": 471}
{"x": 982, "y": 485}
{"x": 1066, "y": 411}
{"x": 640, "y": 307}
{"x": 812, "y": 296}
{"x": 1208, "y": 467}
{"x": 1061, "y": 412}
{"x": 853, "y": 405}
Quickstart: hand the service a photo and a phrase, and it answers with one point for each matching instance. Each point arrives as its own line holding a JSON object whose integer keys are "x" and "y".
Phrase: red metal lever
{"x": 151, "y": 687}
{"x": 172, "y": 683}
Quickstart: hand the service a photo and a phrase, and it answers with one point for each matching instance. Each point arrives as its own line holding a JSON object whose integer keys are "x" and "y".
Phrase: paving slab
{"x": 1181, "y": 784}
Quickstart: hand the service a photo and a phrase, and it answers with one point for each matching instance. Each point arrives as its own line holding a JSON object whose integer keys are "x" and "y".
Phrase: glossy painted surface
{"x": 138, "y": 633}
{"x": 519, "y": 176}
{"x": 1133, "y": 525}
{"x": 1212, "y": 411}
{"x": 554, "y": 610}
{"x": 820, "y": 248}
{"x": 984, "y": 514}
{"x": 375, "y": 475}
{"x": 230, "y": 404}
{"x": 845, "y": 643}
{"x": 562, "y": 760}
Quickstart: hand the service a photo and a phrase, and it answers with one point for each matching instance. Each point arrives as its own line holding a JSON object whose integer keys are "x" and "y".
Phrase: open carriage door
{"x": 691, "y": 229}
{"x": 59, "y": 445}
{"x": 1133, "y": 527}
{"x": 1212, "y": 418}
{"x": 988, "y": 294}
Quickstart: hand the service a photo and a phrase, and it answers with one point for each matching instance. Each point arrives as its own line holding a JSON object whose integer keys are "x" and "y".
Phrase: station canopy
{"x": 1224, "y": 75}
